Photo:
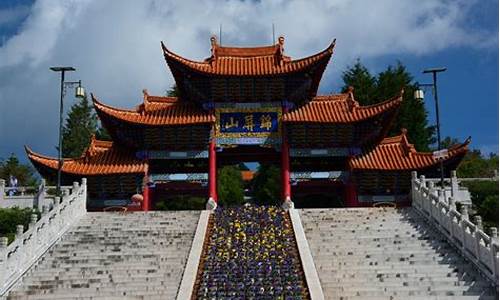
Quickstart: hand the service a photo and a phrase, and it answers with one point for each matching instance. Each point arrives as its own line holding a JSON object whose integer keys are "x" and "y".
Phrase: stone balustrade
{"x": 29, "y": 196}
{"x": 29, "y": 245}
{"x": 441, "y": 211}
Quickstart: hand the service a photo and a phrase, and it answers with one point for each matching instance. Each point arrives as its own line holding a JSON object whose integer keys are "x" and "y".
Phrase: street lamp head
{"x": 434, "y": 70}
{"x": 418, "y": 95}
{"x": 79, "y": 92}
{"x": 60, "y": 69}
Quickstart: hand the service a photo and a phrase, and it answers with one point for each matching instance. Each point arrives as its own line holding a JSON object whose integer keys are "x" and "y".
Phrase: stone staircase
{"x": 385, "y": 253}
{"x": 114, "y": 255}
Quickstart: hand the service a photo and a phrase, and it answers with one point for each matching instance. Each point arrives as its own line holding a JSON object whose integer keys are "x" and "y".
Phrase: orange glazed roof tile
{"x": 157, "y": 111}
{"x": 100, "y": 158}
{"x": 396, "y": 153}
{"x": 340, "y": 108}
{"x": 247, "y": 175}
{"x": 252, "y": 61}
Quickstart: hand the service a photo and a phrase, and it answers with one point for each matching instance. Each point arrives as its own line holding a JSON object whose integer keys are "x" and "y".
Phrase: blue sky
{"x": 115, "y": 46}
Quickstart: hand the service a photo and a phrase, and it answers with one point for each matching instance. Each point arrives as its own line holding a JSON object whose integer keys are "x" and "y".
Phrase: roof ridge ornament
{"x": 351, "y": 103}
{"x": 214, "y": 46}
{"x": 407, "y": 146}
{"x": 280, "y": 53}
{"x": 145, "y": 101}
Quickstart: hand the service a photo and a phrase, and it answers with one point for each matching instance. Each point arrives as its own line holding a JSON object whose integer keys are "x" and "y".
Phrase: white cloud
{"x": 115, "y": 45}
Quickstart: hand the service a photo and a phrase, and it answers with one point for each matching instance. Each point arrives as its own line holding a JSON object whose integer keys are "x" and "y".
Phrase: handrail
{"x": 472, "y": 242}
{"x": 29, "y": 246}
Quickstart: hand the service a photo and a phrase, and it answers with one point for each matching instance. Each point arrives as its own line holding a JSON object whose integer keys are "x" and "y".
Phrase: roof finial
{"x": 273, "y": 34}
{"x": 404, "y": 131}
{"x": 220, "y": 33}
{"x": 213, "y": 43}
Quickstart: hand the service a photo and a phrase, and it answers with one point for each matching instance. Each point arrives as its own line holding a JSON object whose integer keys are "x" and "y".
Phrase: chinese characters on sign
{"x": 248, "y": 122}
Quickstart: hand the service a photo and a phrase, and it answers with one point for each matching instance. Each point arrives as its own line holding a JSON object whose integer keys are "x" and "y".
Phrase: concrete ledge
{"x": 312, "y": 279}
{"x": 190, "y": 271}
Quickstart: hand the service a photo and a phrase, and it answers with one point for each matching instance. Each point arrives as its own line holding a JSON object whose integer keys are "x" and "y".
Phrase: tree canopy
{"x": 12, "y": 166}
{"x": 81, "y": 123}
{"x": 266, "y": 185}
{"x": 370, "y": 89}
{"x": 230, "y": 186}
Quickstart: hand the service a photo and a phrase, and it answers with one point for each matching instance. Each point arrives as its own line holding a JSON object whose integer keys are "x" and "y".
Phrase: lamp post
{"x": 419, "y": 95}
{"x": 80, "y": 93}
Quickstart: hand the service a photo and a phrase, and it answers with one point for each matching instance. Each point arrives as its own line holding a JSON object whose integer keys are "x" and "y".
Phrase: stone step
{"x": 387, "y": 254}
{"x": 426, "y": 297}
{"x": 110, "y": 255}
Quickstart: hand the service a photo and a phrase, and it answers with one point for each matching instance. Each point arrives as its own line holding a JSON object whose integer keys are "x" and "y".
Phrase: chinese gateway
{"x": 249, "y": 105}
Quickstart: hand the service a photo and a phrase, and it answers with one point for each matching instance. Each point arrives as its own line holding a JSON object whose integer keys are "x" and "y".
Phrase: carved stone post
{"x": 494, "y": 249}
{"x": 75, "y": 187}
{"x": 454, "y": 183}
{"x": 19, "y": 231}
{"x": 440, "y": 194}
{"x": 40, "y": 195}
{"x": 422, "y": 180}
{"x": 45, "y": 209}
{"x": 33, "y": 220}
{"x": 465, "y": 212}
{"x": 3, "y": 258}
{"x": 494, "y": 234}
{"x": 57, "y": 201}
{"x": 413, "y": 186}
{"x": 2, "y": 189}
{"x": 479, "y": 222}
{"x": 452, "y": 203}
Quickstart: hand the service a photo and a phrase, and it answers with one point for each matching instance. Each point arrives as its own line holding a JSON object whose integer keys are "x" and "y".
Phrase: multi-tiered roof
{"x": 241, "y": 75}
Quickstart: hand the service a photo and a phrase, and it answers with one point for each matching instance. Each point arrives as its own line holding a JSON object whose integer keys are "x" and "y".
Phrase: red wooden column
{"x": 146, "y": 193}
{"x": 285, "y": 168}
{"x": 351, "y": 194}
{"x": 212, "y": 172}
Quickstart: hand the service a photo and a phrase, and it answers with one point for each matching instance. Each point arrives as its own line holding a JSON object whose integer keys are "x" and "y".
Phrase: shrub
{"x": 11, "y": 217}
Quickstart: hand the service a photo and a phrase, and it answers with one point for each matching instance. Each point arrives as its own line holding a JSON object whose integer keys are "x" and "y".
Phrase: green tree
{"x": 23, "y": 173}
{"x": 266, "y": 185}
{"x": 449, "y": 142}
{"x": 364, "y": 84}
{"x": 173, "y": 91}
{"x": 102, "y": 134}
{"x": 11, "y": 217}
{"x": 475, "y": 165}
{"x": 489, "y": 211}
{"x": 388, "y": 83}
{"x": 230, "y": 186}
{"x": 80, "y": 125}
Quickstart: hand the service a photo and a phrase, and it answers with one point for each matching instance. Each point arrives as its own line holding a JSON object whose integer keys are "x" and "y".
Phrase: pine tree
{"x": 362, "y": 81}
{"x": 412, "y": 114}
{"x": 80, "y": 125}
{"x": 23, "y": 173}
{"x": 173, "y": 91}
{"x": 388, "y": 83}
